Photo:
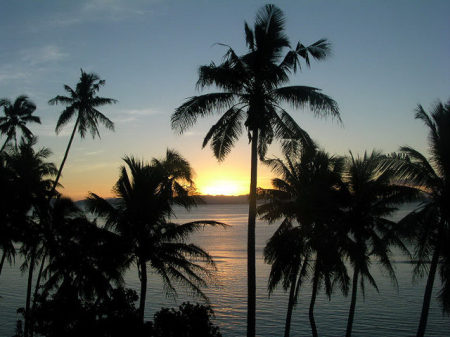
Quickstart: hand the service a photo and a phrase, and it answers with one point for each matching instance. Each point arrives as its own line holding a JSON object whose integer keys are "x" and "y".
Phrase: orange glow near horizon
{"x": 224, "y": 187}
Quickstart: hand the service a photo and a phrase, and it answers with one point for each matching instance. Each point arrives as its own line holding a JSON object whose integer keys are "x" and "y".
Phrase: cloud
{"x": 141, "y": 112}
{"x": 191, "y": 133}
{"x": 8, "y": 73}
{"x": 93, "y": 153}
{"x": 114, "y": 9}
{"x": 77, "y": 167}
{"x": 41, "y": 55}
{"x": 131, "y": 115}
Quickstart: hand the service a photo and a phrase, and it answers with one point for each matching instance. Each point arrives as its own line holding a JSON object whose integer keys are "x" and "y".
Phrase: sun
{"x": 223, "y": 187}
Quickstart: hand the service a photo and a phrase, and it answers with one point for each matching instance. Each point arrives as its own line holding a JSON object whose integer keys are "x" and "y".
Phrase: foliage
{"x": 83, "y": 103}
{"x": 17, "y": 115}
{"x": 188, "y": 321}
{"x": 310, "y": 241}
{"x": 65, "y": 314}
{"x": 142, "y": 218}
{"x": 252, "y": 91}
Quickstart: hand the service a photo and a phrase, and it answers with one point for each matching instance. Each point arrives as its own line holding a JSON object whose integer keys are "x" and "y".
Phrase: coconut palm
{"x": 82, "y": 103}
{"x": 17, "y": 115}
{"x": 308, "y": 198}
{"x": 431, "y": 220}
{"x": 32, "y": 175}
{"x": 7, "y": 203}
{"x": 142, "y": 217}
{"x": 372, "y": 198}
{"x": 85, "y": 261}
{"x": 287, "y": 253}
{"x": 251, "y": 96}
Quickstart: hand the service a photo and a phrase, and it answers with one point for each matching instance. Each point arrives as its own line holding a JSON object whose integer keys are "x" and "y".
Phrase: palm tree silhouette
{"x": 308, "y": 194}
{"x": 32, "y": 174}
{"x": 17, "y": 115}
{"x": 8, "y": 201}
{"x": 82, "y": 103}
{"x": 141, "y": 216}
{"x": 371, "y": 199}
{"x": 85, "y": 261}
{"x": 431, "y": 220}
{"x": 251, "y": 96}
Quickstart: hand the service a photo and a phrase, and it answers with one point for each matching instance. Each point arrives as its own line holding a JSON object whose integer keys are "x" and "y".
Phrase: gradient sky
{"x": 388, "y": 56}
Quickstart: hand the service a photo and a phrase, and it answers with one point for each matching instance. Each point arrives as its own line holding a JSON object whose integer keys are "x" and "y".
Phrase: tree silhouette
{"x": 8, "y": 202}
{"x": 251, "y": 96}
{"x": 33, "y": 176}
{"x": 17, "y": 115}
{"x": 82, "y": 103}
{"x": 430, "y": 221}
{"x": 308, "y": 197}
{"x": 372, "y": 198}
{"x": 142, "y": 217}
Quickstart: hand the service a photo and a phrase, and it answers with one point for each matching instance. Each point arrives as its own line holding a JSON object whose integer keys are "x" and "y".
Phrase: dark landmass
{"x": 225, "y": 199}
{"x": 208, "y": 199}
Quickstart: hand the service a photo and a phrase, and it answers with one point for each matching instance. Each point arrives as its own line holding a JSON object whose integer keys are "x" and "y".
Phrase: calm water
{"x": 393, "y": 312}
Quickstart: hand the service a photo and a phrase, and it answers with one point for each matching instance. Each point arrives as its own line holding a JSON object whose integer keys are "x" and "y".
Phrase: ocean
{"x": 391, "y": 312}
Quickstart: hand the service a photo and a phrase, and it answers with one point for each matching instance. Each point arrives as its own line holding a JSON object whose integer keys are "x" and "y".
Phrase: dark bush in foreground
{"x": 190, "y": 320}
{"x": 66, "y": 315}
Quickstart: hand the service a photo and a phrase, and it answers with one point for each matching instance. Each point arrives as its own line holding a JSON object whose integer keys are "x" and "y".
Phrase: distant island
{"x": 208, "y": 199}
{"x": 225, "y": 199}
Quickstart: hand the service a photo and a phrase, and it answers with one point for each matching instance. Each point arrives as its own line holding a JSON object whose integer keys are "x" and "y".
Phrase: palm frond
{"x": 225, "y": 133}
{"x": 199, "y": 106}
{"x": 301, "y": 96}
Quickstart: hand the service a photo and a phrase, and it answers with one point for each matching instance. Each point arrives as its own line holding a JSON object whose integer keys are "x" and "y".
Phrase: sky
{"x": 387, "y": 57}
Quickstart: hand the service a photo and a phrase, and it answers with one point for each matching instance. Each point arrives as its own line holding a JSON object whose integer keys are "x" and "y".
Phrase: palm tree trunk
{"x": 4, "y": 144}
{"x": 313, "y": 301}
{"x": 428, "y": 291}
{"x": 2, "y": 261}
{"x": 287, "y": 326}
{"x": 143, "y": 278}
{"x": 64, "y": 159}
{"x": 251, "y": 269}
{"x": 38, "y": 280}
{"x": 28, "y": 299}
{"x": 351, "y": 312}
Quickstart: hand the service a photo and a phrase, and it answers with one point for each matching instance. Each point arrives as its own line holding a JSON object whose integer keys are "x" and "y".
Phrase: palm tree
{"x": 287, "y": 253}
{"x": 17, "y": 115}
{"x": 54, "y": 223}
{"x": 141, "y": 216}
{"x": 7, "y": 202}
{"x": 431, "y": 220}
{"x": 308, "y": 194}
{"x": 82, "y": 103}
{"x": 33, "y": 183}
{"x": 251, "y": 96}
{"x": 371, "y": 199}
{"x": 85, "y": 261}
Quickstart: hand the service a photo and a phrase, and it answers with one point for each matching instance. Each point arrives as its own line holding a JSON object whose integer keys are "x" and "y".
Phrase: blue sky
{"x": 388, "y": 56}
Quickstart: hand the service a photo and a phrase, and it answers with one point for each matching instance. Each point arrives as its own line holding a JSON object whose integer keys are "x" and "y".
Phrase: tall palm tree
{"x": 251, "y": 96}
{"x": 83, "y": 103}
{"x": 288, "y": 254}
{"x": 33, "y": 175}
{"x": 308, "y": 198}
{"x": 141, "y": 216}
{"x": 7, "y": 203}
{"x": 372, "y": 198}
{"x": 17, "y": 115}
{"x": 431, "y": 220}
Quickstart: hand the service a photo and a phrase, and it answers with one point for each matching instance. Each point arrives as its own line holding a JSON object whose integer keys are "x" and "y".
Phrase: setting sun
{"x": 224, "y": 187}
